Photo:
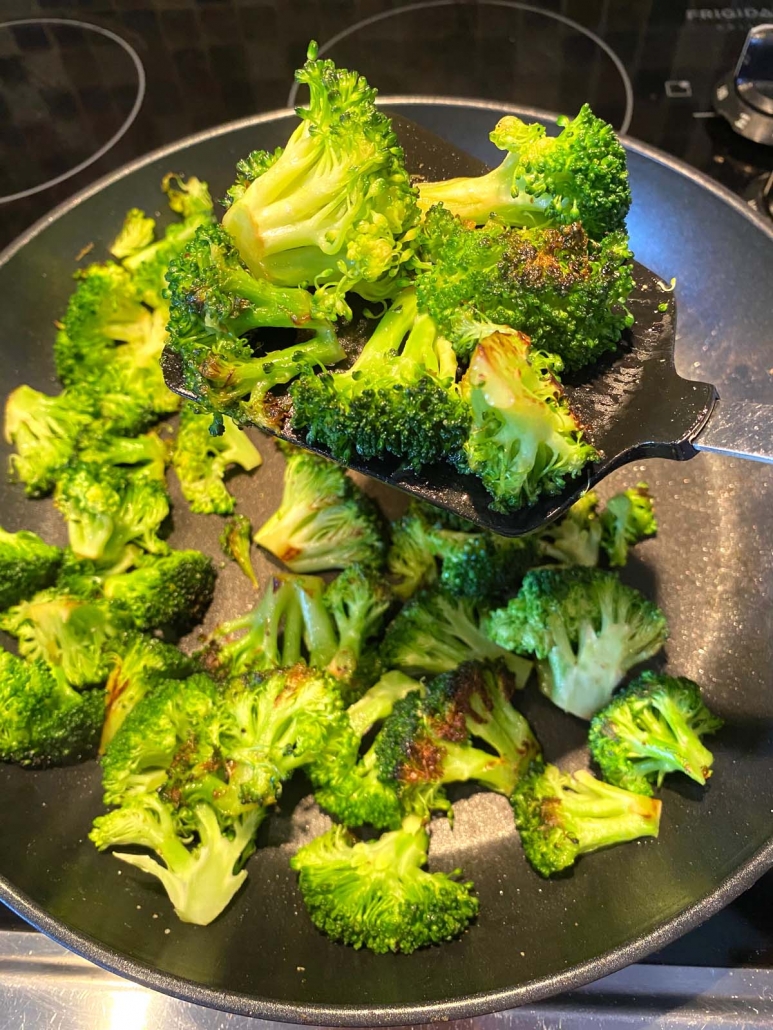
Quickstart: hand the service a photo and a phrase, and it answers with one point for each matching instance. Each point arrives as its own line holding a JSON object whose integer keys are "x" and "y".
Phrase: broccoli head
{"x": 169, "y": 591}
{"x": 524, "y": 440}
{"x": 45, "y": 722}
{"x": 137, "y": 232}
{"x": 587, "y": 629}
{"x": 358, "y": 601}
{"x": 561, "y": 816}
{"x": 435, "y": 632}
{"x": 578, "y": 176}
{"x": 235, "y": 543}
{"x": 324, "y": 521}
{"x": 628, "y": 517}
{"x": 377, "y": 895}
{"x": 399, "y": 398}
{"x": 333, "y": 206}
{"x": 575, "y": 538}
{"x": 651, "y": 728}
{"x": 27, "y": 564}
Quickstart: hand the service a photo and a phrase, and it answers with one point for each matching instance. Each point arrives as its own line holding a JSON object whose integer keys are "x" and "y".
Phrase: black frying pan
{"x": 710, "y": 569}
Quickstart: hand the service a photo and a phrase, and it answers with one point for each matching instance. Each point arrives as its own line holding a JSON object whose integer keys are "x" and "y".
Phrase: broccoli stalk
{"x": 45, "y": 721}
{"x": 377, "y": 895}
{"x": 627, "y": 518}
{"x": 586, "y": 628}
{"x": 578, "y": 176}
{"x": 27, "y": 564}
{"x": 324, "y": 521}
{"x": 524, "y": 441}
{"x": 399, "y": 398}
{"x": 561, "y": 816}
{"x": 436, "y": 632}
{"x": 333, "y": 205}
{"x": 652, "y": 728}
{"x": 201, "y": 880}
{"x": 235, "y": 541}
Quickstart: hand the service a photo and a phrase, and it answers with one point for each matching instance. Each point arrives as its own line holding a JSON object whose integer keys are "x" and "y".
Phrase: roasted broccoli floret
{"x": 428, "y": 740}
{"x": 137, "y": 232}
{"x": 140, "y": 663}
{"x": 561, "y": 816}
{"x": 324, "y": 521}
{"x": 567, "y": 293}
{"x": 358, "y": 601}
{"x": 628, "y": 517}
{"x": 587, "y": 629}
{"x": 579, "y": 175}
{"x": 145, "y": 455}
{"x": 399, "y": 398}
{"x": 524, "y": 440}
{"x": 45, "y": 432}
{"x": 107, "y": 508}
{"x": 202, "y": 861}
{"x": 377, "y": 895}
{"x": 201, "y": 459}
{"x": 45, "y": 722}
{"x": 651, "y": 728}
{"x": 169, "y": 591}
{"x": 575, "y": 538}
{"x": 27, "y": 564}
{"x": 235, "y": 542}
{"x": 332, "y": 207}
{"x": 70, "y": 635}
{"x": 435, "y": 632}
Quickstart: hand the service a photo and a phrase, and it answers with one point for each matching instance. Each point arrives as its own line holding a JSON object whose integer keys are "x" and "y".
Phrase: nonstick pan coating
{"x": 710, "y": 569}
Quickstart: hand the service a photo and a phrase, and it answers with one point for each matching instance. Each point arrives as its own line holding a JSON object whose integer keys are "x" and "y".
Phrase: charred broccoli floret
{"x": 170, "y": 591}
{"x": 524, "y": 440}
{"x": 45, "y": 722}
{"x": 587, "y": 629}
{"x": 651, "y": 728}
{"x": 235, "y": 542}
{"x": 399, "y": 398}
{"x": 628, "y": 517}
{"x": 561, "y": 816}
{"x": 578, "y": 176}
{"x": 377, "y": 895}
{"x": 324, "y": 521}
{"x": 27, "y": 564}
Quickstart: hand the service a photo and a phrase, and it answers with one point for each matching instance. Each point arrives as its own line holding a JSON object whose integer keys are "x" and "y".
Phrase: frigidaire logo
{"x": 729, "y": 14}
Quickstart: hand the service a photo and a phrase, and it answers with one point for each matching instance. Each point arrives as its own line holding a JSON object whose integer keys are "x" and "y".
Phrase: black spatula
{"x": 633, "y": 405}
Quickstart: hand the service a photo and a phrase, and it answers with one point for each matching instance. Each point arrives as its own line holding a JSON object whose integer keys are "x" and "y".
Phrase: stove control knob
{"x": 745, "y": 97}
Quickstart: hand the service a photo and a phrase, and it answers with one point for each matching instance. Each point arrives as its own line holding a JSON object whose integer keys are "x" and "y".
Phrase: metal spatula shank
{"x": 633, "y": 404}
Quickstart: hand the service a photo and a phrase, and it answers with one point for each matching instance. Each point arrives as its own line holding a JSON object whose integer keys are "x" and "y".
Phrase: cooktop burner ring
{"x": 517, "y": 5}
{"x": 123, "y": 127}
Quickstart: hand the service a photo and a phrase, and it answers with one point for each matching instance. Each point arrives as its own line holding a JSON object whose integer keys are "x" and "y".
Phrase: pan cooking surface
{"x": 710, "y": 569}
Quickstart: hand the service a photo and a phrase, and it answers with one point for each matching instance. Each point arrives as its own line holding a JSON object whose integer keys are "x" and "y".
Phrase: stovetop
{"x": 87, "y": 86}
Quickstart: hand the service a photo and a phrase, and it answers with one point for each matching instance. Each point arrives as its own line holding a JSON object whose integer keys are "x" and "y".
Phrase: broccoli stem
{"x": 603, "y": 815}
{"x": 475, "y": 199}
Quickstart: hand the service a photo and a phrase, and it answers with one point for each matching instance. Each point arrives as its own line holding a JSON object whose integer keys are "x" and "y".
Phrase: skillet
{"x": 710, "y": 569}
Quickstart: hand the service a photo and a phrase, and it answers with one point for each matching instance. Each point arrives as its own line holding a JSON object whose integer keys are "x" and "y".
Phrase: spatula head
{"x": 632, "y": 404}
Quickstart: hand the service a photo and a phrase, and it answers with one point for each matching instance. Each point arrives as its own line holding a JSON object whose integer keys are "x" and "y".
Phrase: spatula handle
{"x": 738, "y": 429}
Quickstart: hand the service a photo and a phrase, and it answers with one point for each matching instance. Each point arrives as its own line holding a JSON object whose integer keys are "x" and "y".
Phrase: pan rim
{"x": 459, "y": 1008}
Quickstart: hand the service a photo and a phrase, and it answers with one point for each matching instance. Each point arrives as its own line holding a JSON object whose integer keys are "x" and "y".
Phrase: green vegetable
{"x": 169, "y": 591}
{"x": 235, "y": 541}
{"x": 627, "y": 518}
{"x": 27, "y": 564}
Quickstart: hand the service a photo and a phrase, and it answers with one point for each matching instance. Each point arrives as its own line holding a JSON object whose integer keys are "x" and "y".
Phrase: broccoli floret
{"x": 200, "y": 879}
{"x": 575, "y": 538}
{"x": 410, "y": 558}
{"x": 435, "y": 632}
{"x": 45, "y": 431}
{"x": 201, "y": 459}
{"x": 140, "y": 663}
{"x": 651, "y": 728}
{"x": 235, "y": 541}
{"x": 137, "y": 232}
{"x": 27, "y": 564}
{"x": 579, "y": 175}
{"x": 587, "y": 629}
{"x": 126, "y": 400}
{"x": 377, "y": 895}
{"x": 357, "y": 601}
{"x": 108, "y": 508}
{"x": 147, "y": 455}
{"x": 45, "y": 722}
{"x": 567, "y": 293}
{"x": 170, "y": 591}
{"x": 399, "y": 398}
{"x": 427, "y": 741}
{"x": 70, "y": 635}
{"x": 333, "y": 206}
{"x": 324, "y": 521}
{"x": 561, "y": 816}
{"x": 524, "y": 441}
{"x": 628, "y": 517}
